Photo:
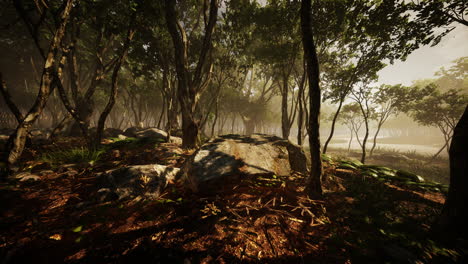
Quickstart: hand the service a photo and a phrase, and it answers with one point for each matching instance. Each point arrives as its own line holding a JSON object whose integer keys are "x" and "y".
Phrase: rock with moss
{"x": 228, "y": 158}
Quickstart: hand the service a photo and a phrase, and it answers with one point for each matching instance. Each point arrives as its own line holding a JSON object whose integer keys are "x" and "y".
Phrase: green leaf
{"x": 77, "y": 229}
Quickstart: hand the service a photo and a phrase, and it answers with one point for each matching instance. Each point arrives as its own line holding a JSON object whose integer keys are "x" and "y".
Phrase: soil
{"x": 259, "y": 220}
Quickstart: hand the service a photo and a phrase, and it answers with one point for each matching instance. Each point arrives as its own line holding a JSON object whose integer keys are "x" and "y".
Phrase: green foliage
{"x": 386, "y": 174}
{"x": 380, "y": 217}
{"x": 441, "y": 109}
{"x": 77, "y": 229}
{"x": 74, "y": 155}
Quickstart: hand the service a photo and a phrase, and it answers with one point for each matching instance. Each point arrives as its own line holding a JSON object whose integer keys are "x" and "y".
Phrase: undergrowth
{"x": 132, "y": 142}
{"x": 85, "y": 155}
{"x": 74, "y": 155}
{"x": 384, "y": 221}
{"x": 434, "y": 169}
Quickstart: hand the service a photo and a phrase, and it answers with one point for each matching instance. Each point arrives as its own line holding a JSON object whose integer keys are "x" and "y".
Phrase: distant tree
{"x": 278, "y": 47}
{"x": 363, "y": 96}
{"x": 390, "y": 100}
{"x": 440, "y": 109}
{"x": 374, "y": 32}
{"x": 351, "y": 117}
{"x": 302, "y": 106}
{"x": 314, "y": 184}
{"x": 455, "y": 77}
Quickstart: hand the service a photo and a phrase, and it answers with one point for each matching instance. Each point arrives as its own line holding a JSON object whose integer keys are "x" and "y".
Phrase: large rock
{"x": 146, "y": 181}
{"x": 227, "y": 158}
{"x": 151, "y": 133}
{"x": 155, "y": 133}
{"x": 131, "y": 131}
{"x": 112, "y": 132}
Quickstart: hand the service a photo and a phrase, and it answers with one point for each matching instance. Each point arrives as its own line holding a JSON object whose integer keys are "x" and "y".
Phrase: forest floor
{"x": 261, "y": 220}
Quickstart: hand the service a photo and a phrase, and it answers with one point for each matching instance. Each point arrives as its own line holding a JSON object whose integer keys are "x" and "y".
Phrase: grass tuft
{"x": 75, "y": 155}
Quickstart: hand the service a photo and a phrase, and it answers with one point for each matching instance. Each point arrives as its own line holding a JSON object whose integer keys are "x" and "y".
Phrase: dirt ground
{"x": 259, "y": 220}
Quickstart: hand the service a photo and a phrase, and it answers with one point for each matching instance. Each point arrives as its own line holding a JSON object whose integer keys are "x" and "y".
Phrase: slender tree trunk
{"x": 439, "y": 151}
{"x": 314, "y": 184}
{"x": 375, "y": 139}
{"x": 285, "y": 127}
{"x": 163, "y": 111}
{"x": 216, "y": 117}
{"x": 332, "y": 130}
{"x": 366, "y": 135}
{"x": 82, "y": 125}
{"x": 452, "y": 222}
{"x": 114, "y": 87}
{"x": 233, "y": 123}
{"x": 350, "y": 140}
{"x": 18, "y": 138}
{"x": 60, "y": 126}
{"x": 300, "y": 97}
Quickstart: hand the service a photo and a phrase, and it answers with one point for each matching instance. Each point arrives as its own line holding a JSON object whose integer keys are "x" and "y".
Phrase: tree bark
{"x": 215, "y": 117}
{"x": 452, "y": 221}
{"x": 332, "y": 131}
{"x": 114, "y": 87}
{"x": 285, "y": 127}
{"x": 375, "y": 139}
{"x": 364, "y": 141}
{"x": 18, "y": 138}
{"x": 300, "y": 97}
{"x": 314, "y": 184}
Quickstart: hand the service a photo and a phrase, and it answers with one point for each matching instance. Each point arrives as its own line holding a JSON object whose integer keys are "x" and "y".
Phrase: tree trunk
{"x": 453, "y": 219}
{"x": 375, "y": 139}
{"x": 366, "y": 135}
{"x": 18, "y": 138}
{"x": 314, "y": 184}
{"x": 440, "y": 150}
{"x": 332, "y": 131}
{"x": 114, "y": 87}
{"x": 190, "y": 130}
{"x": 249, "y": 125}
{"x": 161, "y": 115}
{"x": 285, "y": 127}
{"x": 233, "y": 123}
{"x": 190, "y": 83}
{"x": 215, "y": 117}
{"x": 350, "y": 140}
{"x": 300, "y": 97}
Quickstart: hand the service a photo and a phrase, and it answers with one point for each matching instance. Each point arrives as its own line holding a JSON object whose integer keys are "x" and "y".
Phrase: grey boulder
{"x": 230, "y": 157}
{"x": 155, "y": 133}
